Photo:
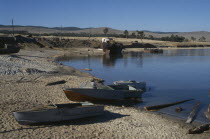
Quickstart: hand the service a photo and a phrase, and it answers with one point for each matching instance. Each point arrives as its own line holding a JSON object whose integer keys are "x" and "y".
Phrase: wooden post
{"x": 13, "y": 30}
{"x": 61, "y": 33}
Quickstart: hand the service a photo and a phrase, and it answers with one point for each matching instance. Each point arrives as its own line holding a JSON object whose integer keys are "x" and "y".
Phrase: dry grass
{"x": 193, "y": 43}
{"x": 129, "y": 41}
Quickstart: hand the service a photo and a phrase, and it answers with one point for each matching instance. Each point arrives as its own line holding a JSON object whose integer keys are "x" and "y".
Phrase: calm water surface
{"x": 172, "y": 76}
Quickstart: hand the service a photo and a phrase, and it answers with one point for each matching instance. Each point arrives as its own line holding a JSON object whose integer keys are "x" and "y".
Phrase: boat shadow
{"x": 107, "y": 116}
{"x": 123, "y": 103}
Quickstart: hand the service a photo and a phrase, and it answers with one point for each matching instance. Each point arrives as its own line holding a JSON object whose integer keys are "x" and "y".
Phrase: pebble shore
{"x": 23, "y": 79}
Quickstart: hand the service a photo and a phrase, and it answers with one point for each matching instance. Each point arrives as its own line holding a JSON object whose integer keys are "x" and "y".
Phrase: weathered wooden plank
{"x": 193, "y": 112}
{"x": 157, "y": 107}
{"x": 200, "y": 129}
{"x": 57, "y": 82}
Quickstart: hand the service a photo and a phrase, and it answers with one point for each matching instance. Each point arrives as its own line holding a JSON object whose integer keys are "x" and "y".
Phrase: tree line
{"x": 137, "y": 34}
{"x": 141, "y": 35}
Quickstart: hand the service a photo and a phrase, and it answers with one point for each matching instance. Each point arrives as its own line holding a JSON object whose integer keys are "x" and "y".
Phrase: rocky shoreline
{"x": 23, "y": 79}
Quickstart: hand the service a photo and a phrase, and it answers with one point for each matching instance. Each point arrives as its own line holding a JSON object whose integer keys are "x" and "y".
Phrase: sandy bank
{"x": 25, "y": 90}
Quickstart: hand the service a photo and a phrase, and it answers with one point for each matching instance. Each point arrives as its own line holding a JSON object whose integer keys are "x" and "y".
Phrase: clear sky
{"x": 154, "y": 15}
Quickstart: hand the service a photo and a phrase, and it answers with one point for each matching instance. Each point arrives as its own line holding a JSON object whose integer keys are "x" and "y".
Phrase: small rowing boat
{"x": 103, "y": 94}
{"x": 57, "y": 112}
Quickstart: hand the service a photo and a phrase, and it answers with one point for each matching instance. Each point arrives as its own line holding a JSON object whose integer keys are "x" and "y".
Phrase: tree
{"x": 126, "y": 33}
{"x": 106, "y": 30}
{"x": 173, "y": 38}
{"x": 186, "y": 40}
{"x": 133, "y": 35}
{"x": 151, "y": 37}
{"x": 141, "y": 35}
{"x": 137, "y": 34}
{"x": 193, "y": 38}
{"x": 202, "y": 39}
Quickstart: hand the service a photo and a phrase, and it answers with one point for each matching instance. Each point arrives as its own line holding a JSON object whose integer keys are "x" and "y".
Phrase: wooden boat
{"x": 104, "y": 94}
{"x": 57, "y": 112}
{"x": 135, "y": 84}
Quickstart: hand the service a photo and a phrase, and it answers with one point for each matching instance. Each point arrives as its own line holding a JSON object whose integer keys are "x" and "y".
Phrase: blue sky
{"x": 154, "y": 15}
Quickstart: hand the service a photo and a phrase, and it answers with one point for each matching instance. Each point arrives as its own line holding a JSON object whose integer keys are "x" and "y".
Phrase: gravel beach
{"x": 23, "y": 79}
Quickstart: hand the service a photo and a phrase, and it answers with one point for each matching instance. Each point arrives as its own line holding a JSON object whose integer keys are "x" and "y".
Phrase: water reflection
{"x": 209, "y": 92}
{"x": 187, "y": 52}
{"x": 110, "y": 60}
{"x": 107, "y": 60}
{"x": 138, "y": 58}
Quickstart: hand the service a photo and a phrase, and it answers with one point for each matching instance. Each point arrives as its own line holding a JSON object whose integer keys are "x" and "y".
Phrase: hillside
{"x": 40, "y": 29}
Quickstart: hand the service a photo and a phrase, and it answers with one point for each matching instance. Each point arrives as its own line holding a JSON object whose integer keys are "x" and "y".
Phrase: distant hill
{"x": 67, "y": 28}
{"x": 41, "y": 29}
{"x": 99, "y": 31}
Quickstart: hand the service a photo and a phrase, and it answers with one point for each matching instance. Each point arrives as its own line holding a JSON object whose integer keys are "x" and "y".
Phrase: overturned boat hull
{"x": 57, "y": 112}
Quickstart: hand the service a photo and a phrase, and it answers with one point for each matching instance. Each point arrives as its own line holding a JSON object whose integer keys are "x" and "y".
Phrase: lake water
{"x": 172, "y": 76}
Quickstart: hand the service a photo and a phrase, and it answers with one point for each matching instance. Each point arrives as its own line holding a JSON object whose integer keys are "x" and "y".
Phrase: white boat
{"x": 135, "y": 84}
{"x": 57, "y": 112}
